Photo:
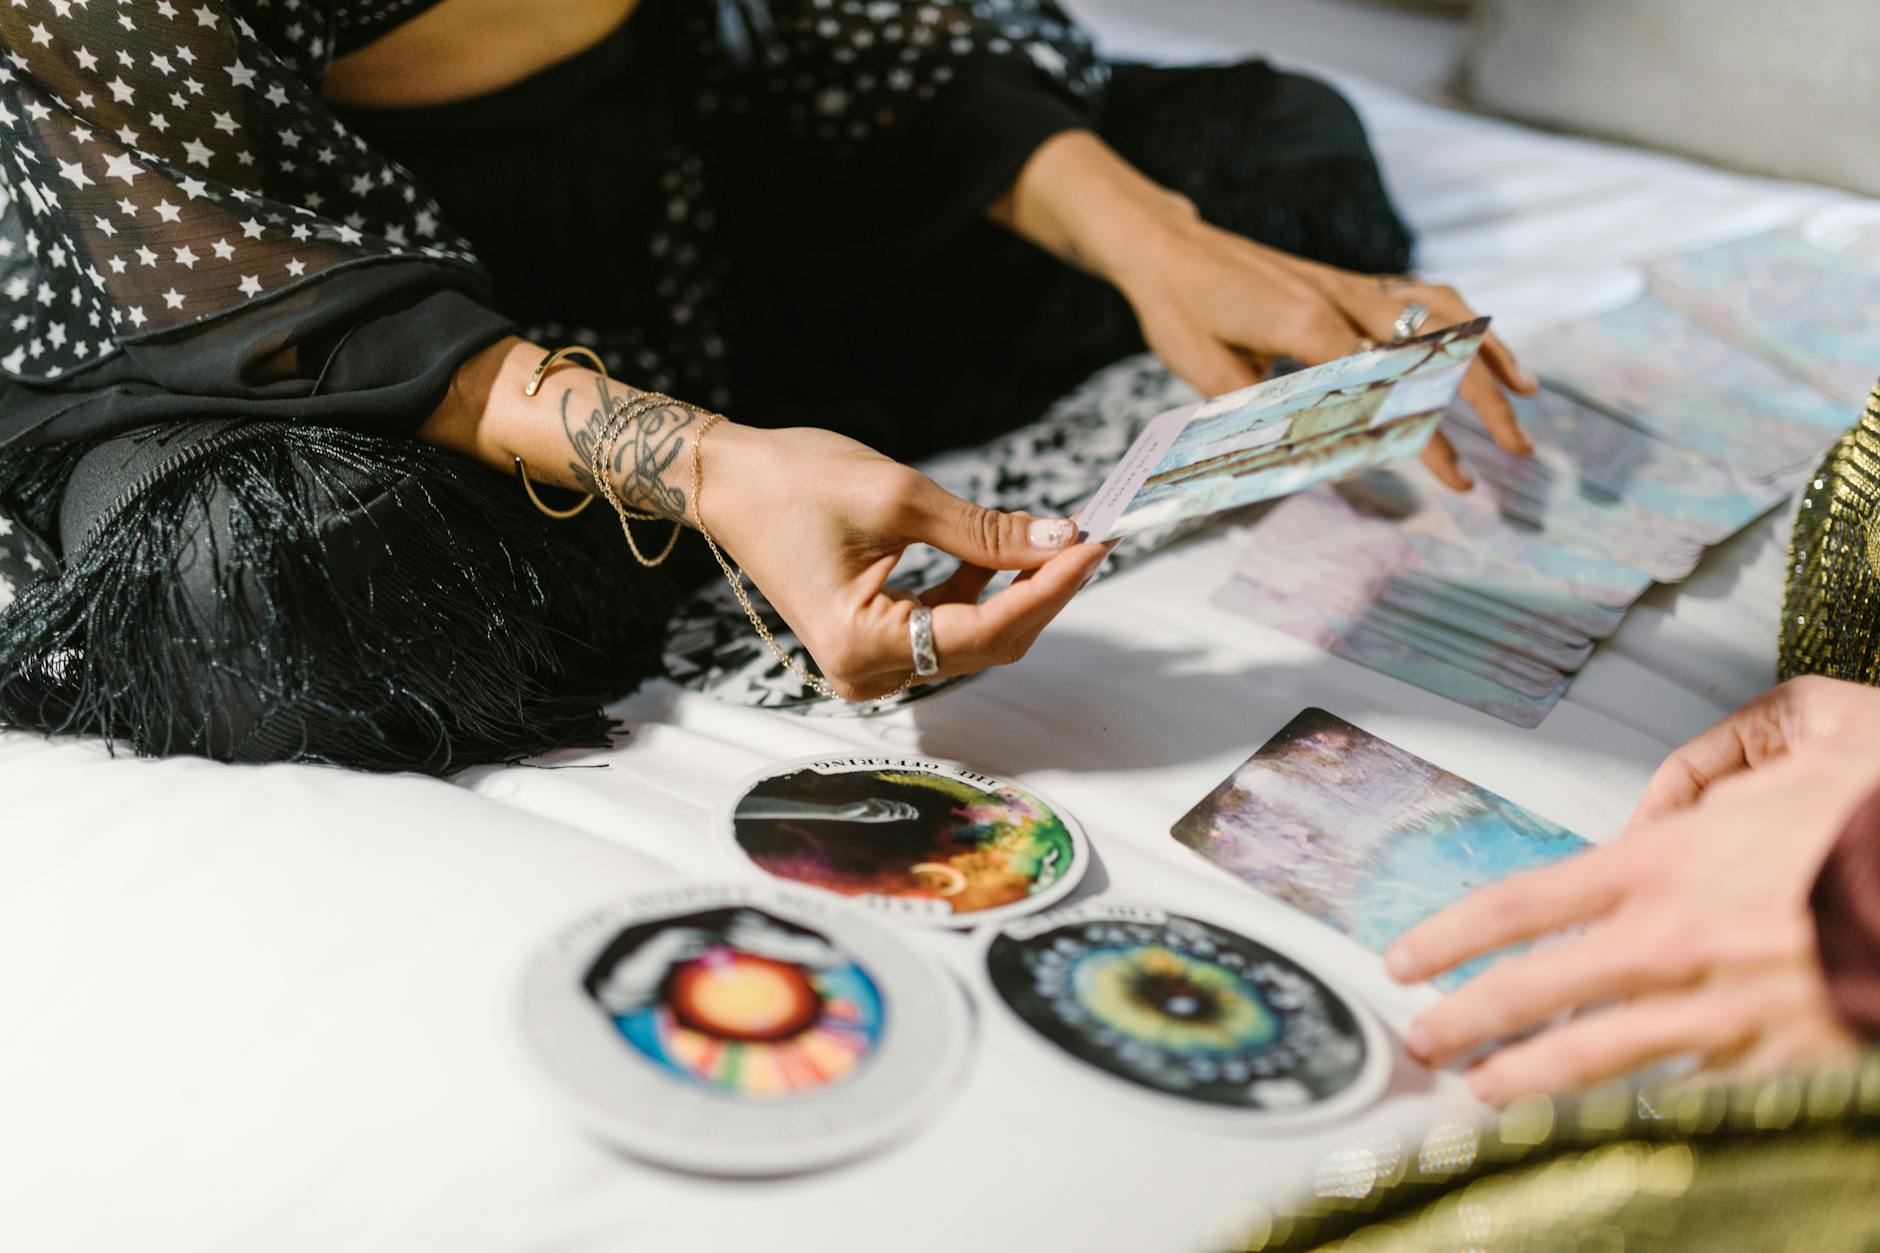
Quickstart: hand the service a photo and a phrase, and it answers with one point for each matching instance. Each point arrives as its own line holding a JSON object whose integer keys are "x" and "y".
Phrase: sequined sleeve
{"x": 1846, "y": 904}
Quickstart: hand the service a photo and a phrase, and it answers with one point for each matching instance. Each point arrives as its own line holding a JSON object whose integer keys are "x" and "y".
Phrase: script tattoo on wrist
{"x": 643, "y": 458}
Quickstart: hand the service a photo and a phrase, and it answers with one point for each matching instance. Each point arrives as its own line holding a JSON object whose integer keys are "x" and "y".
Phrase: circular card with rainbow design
{"x": 743, "y": 1029}
{"x": 917, "y": 842}
{"x": 1213, "y": 1023}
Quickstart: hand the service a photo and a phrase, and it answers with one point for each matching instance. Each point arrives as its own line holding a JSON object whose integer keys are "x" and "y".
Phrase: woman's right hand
{"x": 817, "y": 521}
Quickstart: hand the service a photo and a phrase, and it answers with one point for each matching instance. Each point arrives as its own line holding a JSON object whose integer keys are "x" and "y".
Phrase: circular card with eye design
{"x": 920, "y": 843}
{"x": 1209, "y": 1021}
{"x": 743, "y": 1030}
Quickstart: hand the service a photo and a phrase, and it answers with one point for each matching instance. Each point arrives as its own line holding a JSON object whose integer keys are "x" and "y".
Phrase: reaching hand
{"x": 1698, "y": 935}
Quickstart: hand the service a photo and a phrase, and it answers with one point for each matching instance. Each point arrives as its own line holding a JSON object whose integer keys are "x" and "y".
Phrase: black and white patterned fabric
{"x": 24, "y": 558}
{"x": 170, "y": 163}
{"x": 1048, "y": 468}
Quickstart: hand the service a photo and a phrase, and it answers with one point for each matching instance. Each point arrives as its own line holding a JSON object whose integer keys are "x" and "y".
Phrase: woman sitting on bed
{"x": 277, "y": 277}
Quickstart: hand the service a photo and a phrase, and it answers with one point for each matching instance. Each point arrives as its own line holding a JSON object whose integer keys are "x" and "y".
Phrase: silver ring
{"x": 1410, "y": 321}
{"x": 920, "y": 635}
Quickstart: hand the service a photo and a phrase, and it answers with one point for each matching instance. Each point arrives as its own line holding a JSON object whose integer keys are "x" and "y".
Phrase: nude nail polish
{"x": 1052, "y": 533}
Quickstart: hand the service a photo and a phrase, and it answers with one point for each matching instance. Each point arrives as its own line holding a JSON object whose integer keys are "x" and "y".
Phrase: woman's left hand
{"x": 1698, "y": 940}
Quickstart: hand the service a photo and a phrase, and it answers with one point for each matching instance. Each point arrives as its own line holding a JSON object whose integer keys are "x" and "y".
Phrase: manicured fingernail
{"x": 1529, "y": 379}
{"x": 1397, "y": 961}
{"x": 1418, "y": 1041}
{"x": 1052, "y": 533}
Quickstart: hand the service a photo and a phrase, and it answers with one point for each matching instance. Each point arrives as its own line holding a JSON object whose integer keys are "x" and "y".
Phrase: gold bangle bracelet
{"x": 533, "y": 386}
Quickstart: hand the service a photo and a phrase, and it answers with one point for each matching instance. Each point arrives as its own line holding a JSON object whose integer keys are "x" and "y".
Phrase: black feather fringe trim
{"x": 268, "y": 592}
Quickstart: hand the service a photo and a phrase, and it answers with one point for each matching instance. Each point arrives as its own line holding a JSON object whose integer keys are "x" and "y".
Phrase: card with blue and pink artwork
{"x": 1813, "y": 311}
{"x": 1678, "y": 380}
{"x": 1363, "y": 836}
{"x": 1316, "y": 425}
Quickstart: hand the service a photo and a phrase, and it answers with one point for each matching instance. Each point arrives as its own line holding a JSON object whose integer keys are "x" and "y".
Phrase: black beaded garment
{"x": 773, "y": 208}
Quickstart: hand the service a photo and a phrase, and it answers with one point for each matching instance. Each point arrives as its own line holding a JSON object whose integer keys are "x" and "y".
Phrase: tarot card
{"x": 1283, "y": 435}
{"x": 1502, "y": 648}
{"x": 1428, "y": 512}
{"x": 1467, "y": 679}
{"x": 1329, "y": 532}
{"x": 918, "y": 842}
{"x": 1814, "y": 312}
{"x": 1368, "y": 839}
{"x": 1659, "y": 370}
{"x": 1198, "y": 1019}
{"x": 1599, "y": 476}
{"x": 742, "y": 1030}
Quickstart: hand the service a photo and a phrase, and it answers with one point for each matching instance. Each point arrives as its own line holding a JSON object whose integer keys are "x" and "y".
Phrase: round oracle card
{"x": 1199, "y": 1019}
{"x": 919, "y": 843}
{"x": 743, "y": 1030}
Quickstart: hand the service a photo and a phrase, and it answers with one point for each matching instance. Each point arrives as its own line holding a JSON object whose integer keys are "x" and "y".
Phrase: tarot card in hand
{"x": 1363, "y": 836}
{"x": 1277, "y": 437}
{"x": 1656, "y": 368}
{"x": 1813, "y": 311}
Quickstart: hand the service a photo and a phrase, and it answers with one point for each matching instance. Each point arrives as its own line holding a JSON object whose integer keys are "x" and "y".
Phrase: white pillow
{"x": 1790, "y": 89}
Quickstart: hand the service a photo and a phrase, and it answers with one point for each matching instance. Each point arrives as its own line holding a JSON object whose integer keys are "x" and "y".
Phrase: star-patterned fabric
{"x": 168, "y": 164}
{"x": 171, "y": 166}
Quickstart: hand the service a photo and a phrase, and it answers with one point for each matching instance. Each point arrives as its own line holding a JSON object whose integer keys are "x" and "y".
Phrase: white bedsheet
{"x": 270, "y": 1008}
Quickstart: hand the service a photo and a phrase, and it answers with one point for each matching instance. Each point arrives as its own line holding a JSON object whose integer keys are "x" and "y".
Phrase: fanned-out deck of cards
{"x": 740, "y": 1030}
{"x": 1664, "y": 427}
{"x": 918, "y": 843}
{"x": 1184, "y": 1014}
{"x": 1318, "y": 424}
{"x": 1363, "y": 836}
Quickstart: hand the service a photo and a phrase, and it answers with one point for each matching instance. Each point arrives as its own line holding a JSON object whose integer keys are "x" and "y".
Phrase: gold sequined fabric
{"x": 1790, "y": 1163}
{"x": 1831, "y": 609}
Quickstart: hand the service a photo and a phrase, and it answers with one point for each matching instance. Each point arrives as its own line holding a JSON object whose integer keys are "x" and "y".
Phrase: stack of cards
{"x": 1664, "y": 427}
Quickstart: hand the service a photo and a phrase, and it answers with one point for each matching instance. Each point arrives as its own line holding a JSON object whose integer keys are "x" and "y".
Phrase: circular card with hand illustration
{"x": 917, "y": 842}
{"x": 1206, "y": 1022}
{"x": 743, "y": 1030}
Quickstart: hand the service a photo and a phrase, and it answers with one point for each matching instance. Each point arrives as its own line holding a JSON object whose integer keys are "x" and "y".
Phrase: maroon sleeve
{"x": 1846, "y": 904}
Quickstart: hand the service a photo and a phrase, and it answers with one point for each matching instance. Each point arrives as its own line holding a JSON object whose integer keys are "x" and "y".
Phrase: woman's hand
{"x": 818, "y": 521}
{"x": 1220, "y": 309}
{"x": 815, "y": 519}
{"x": 1698, "y": 934}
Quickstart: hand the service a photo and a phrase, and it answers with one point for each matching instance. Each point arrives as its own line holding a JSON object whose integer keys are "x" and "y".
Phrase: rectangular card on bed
{"x": 1815, "y": 312}
{"x": 1363, "y": 836}
{"x": 1670, "y": 376}
{"x": 1649, "y": 504}
{"x": 1272, "y": 439}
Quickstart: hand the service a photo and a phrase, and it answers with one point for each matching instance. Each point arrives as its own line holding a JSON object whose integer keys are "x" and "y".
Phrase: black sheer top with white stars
{"x": 187, "y": 230}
